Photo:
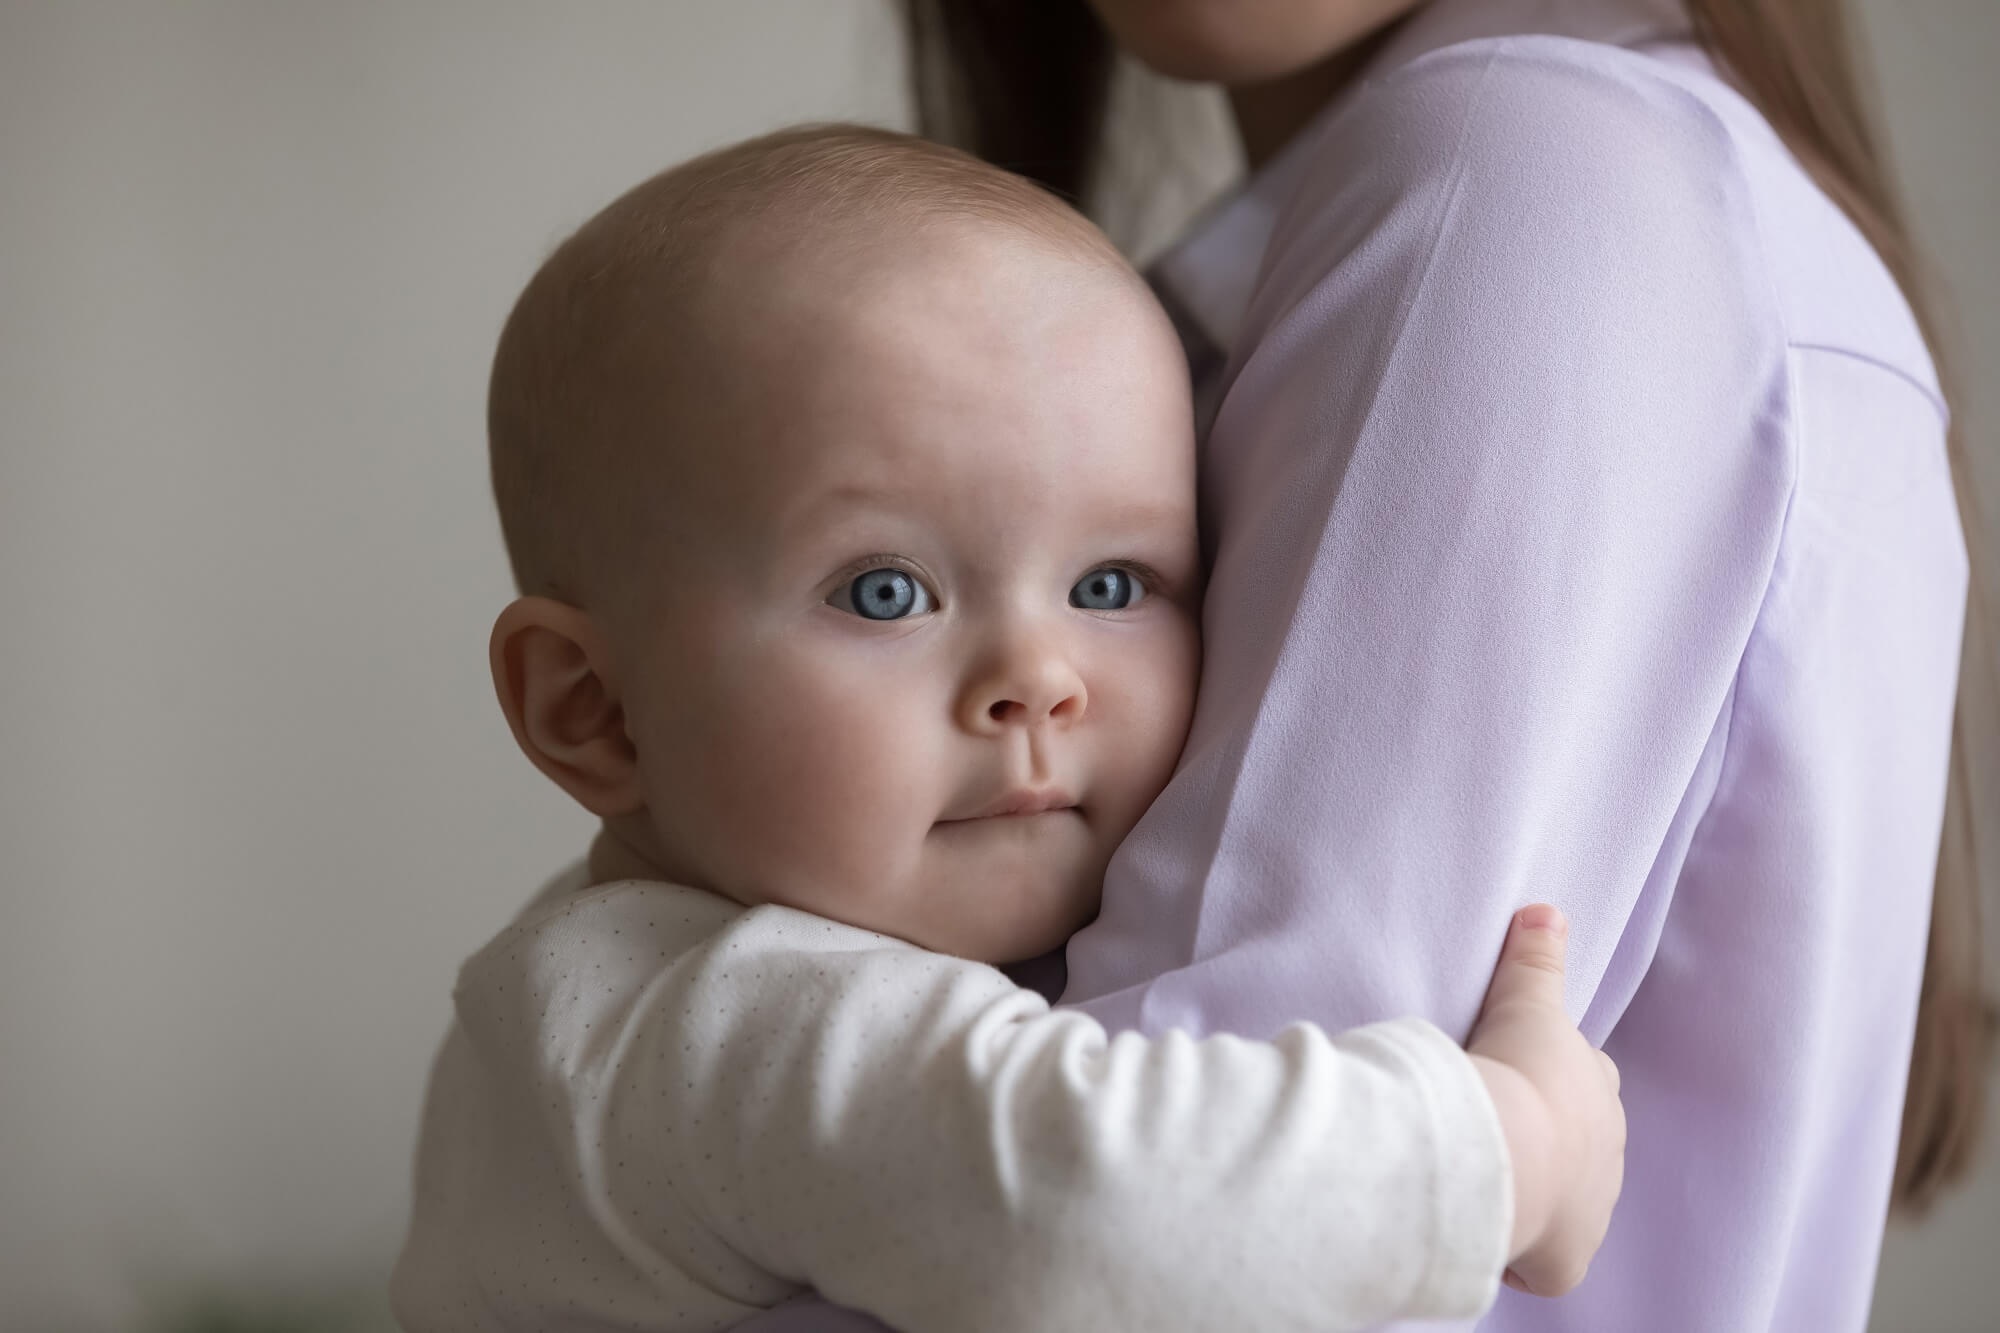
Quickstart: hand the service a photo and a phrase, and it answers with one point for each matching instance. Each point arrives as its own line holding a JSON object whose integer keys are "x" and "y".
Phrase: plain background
{"x": 255, "y": 799}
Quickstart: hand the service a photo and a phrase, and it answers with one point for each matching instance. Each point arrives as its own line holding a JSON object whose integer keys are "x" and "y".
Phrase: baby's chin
{"x": 1028, "y": 935}
{"x": 1016, "y": 898}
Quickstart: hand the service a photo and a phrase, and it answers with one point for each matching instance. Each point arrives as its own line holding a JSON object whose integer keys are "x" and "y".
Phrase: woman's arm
{"x": 1498, "y": 485}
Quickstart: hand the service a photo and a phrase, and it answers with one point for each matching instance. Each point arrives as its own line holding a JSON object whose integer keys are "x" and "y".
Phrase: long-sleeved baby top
{"x": 657, "y": 1109}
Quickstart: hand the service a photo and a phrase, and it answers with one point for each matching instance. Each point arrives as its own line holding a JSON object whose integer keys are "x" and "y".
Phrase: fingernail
{"x": 1542, "y": 916}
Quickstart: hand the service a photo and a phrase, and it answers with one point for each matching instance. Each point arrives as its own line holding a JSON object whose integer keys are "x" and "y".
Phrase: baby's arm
{"x": 914, "y": 1136}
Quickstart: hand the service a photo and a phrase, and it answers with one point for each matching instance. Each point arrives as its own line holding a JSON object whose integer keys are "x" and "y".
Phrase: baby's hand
{"x": 1558, "y": 1104}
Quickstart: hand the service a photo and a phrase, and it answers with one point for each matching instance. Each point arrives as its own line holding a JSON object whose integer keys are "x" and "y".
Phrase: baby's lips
{"x": 1018, "y": 801}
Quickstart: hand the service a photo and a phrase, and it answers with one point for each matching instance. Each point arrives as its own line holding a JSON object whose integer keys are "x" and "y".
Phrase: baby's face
{"x": 922, "y": 645}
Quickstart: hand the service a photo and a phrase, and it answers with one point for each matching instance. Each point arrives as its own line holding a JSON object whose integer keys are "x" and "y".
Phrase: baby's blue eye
{"x": 1107, "y": 589}
{"x": 883, "y": 594}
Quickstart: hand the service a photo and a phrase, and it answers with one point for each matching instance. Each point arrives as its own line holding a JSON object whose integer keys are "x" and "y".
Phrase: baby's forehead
{"x": 844, "y": 269}
{"x": 922, "y": 312}
{"x": 832, "y": 358}
{"x": 930, "y": 363}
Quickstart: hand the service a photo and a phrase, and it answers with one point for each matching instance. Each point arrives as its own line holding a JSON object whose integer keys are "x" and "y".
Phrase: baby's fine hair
{"x": 566, "y": 405}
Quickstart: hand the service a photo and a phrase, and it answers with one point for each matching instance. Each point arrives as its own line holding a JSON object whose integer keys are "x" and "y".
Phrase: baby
{"x": 849, "y": 485}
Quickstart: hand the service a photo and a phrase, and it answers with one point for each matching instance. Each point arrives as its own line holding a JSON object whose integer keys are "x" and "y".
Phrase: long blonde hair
{"x": 1026, "y": 86}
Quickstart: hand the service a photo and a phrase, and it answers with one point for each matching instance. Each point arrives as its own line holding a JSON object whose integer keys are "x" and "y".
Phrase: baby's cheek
{"x": 1147, "y": 714}
{"x": 831, "y": 791}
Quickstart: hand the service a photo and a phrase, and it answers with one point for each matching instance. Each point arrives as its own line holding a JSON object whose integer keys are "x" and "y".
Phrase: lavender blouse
{"x": 1582, "y": 531}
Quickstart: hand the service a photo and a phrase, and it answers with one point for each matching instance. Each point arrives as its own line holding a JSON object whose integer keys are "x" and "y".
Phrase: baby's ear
{"x": 552, "y": 669}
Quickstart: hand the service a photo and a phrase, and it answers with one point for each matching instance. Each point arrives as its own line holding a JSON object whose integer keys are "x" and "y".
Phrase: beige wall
{"x": 255, "y": 801}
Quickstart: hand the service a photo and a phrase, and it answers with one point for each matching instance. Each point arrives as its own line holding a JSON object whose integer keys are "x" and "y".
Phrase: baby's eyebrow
{"x": 1143, "y": 512}
{"x": 845, "y": 495}
{"x": 1118, "y": 517}
{"x": 852, "y": 492}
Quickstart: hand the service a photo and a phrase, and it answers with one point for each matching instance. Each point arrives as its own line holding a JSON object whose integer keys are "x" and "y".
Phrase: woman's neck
{"x": 1267, "y": 115}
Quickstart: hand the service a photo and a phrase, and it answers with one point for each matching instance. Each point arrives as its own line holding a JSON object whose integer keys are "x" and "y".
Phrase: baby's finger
{"x": 1531, "y": 961}
{"x": 1548, "y": 1277}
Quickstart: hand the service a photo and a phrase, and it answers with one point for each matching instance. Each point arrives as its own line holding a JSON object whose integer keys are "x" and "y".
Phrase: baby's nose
{"x": 1024, "y": 689}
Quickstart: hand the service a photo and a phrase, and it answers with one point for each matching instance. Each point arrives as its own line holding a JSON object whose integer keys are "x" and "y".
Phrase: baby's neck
{"x": 613, "y": 858}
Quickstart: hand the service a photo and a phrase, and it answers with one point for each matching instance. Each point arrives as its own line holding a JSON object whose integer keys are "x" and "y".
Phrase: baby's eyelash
{"x": 854, "y": 569}
{"x": 1145, "y": 573}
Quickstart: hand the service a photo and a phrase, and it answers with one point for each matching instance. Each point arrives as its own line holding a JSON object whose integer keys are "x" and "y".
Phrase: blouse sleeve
{"x": 1496, "y": 487}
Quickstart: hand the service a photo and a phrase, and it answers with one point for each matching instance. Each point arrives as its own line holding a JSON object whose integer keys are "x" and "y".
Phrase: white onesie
{"x": 657, "y": 1109}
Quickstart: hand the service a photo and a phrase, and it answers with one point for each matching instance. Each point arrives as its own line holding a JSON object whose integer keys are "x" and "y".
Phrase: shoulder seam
{"x": 1930, "y": 394}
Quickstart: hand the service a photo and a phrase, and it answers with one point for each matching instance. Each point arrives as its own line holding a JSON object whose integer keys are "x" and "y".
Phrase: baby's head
{"x": 849, "y": 485}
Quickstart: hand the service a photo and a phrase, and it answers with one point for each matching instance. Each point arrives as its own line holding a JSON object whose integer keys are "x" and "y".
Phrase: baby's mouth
{"x": 1020, "y": 802}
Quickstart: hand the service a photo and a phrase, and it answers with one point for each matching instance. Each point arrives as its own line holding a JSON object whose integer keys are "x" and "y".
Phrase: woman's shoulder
{"x": 1511, "y": 183}
{"x": 1540, "y": 127}
{"x": 1567, "y": 154}
{"x": 1551, "y": 258}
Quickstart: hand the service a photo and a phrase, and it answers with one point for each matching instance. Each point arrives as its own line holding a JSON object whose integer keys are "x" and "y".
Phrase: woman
{"x": 1582, "y": 525}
